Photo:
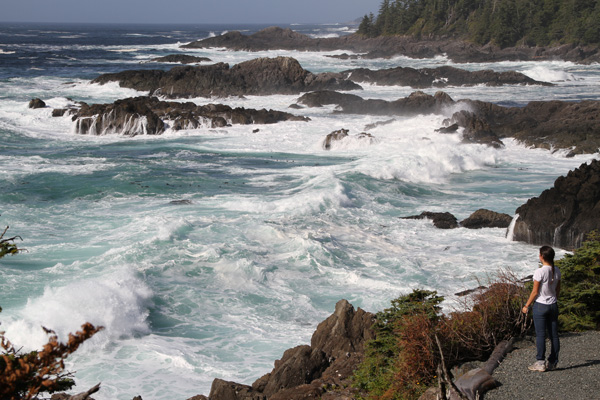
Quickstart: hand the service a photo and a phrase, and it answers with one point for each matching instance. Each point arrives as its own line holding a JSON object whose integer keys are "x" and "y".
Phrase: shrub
{"x": 401, "y": 362}
{"x": 25, "y": 376}
{"x": 8, "y": 246}
{"x": 579, "y": 299}
{"x": 383, "y": 360}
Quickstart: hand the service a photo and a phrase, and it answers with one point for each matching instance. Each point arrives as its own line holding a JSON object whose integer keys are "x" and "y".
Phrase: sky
{"x": 187, "y": 11}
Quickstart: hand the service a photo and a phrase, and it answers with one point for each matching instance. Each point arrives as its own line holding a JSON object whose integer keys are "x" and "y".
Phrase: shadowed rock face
{"x": 563, "y": 215}
{"x": 261, "y": 76}
{"x": 149, "y": 116}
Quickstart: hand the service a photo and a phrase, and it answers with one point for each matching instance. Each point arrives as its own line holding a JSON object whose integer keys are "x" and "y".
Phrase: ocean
{"x": 206, "y": 253}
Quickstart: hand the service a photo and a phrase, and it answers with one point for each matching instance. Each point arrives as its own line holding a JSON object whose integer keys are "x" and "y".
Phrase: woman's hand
{"x": 524, "y": 309}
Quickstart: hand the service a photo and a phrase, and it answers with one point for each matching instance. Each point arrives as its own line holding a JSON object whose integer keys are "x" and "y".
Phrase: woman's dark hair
{"x": 547, "y": 254}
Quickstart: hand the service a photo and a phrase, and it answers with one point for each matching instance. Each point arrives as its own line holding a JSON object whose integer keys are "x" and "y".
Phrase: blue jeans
{"x": 545, "y": 319}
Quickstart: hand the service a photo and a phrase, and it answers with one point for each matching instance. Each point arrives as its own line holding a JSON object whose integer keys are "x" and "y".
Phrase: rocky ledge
{"x": 438, "y": 77}
{"x": 563, "y": 215}
{"x": 181, "y": 59}
{"x": 261, "y": 76}
{"x": 546, "y": 124}
{"x": 150, "y": 116}
{"x": 481, "y": 218}
{"x": 388, "y": 46}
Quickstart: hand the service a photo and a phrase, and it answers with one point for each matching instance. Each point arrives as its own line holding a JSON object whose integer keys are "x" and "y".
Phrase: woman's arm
{"x": 534, "y": 293}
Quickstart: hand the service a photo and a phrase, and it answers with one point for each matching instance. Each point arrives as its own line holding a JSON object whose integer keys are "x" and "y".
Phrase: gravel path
{"x": 577, "y": 376}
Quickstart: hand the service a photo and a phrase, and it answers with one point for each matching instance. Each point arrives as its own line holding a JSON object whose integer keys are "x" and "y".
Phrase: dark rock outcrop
{"x": 441, "y": 220}
{"x": 150, "y": 116}
{"x": 261, "y": 76}
{"x": 181, "y": 59}
{"x": 37, "y": 103}
{"x": 388, "y": 46}
{"x": 483, "y": 218}
{"x": 127, "y": 117}
{"x": 546, "y": 124}
{"x": 563, "y": 215}
{"x": 416, "y": 103}
{"x": 438, "y": 77}
{"x": 312, "y": 371}
{"x": 341, "y": 134}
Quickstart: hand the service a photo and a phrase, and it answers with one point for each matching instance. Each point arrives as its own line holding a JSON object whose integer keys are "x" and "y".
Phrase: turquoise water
{"x": 207, "y": 253}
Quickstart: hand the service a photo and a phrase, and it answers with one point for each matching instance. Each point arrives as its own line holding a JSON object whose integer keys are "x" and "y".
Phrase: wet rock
{"x": 334, "y": 136}
{"x": 563, "y": 215}
{"x": 36, "y": 103}
{"x": 448, "y": 129}
{"x": 441, "y": 220}
{"x": 438, "y": 77}
{"x": 416, "y": 103}
{"x": 181, "y": 59}
{"x": 483, "y": 218}
{"x": 261, "y": 76}
{"x": 129, "y": 117}
{"x": 298, "y": 366}
{"x": 150, "y": 116}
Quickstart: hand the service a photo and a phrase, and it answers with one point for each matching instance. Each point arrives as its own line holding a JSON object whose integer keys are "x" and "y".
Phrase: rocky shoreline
{"x": 324, "y": 368}
{"x": 274, "y": 38}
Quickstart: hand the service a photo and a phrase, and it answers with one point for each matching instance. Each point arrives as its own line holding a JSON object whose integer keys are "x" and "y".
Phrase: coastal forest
{"x": 505, "y": 23}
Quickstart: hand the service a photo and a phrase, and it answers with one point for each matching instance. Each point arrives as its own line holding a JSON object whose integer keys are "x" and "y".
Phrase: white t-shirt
{"x": 543, "y": 275}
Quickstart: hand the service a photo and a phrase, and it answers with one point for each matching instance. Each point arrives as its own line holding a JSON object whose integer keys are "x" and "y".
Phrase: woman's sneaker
{"x": 538, "y": 366}
{"x": 551, "y": 366}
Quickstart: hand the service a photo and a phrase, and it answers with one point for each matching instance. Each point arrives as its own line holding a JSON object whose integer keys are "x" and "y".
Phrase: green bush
{"x": 378, "y": 372}
{"x": 579, "y": 299}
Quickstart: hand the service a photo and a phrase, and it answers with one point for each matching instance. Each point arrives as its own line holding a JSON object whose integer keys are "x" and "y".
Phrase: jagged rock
{"x": 336, "y": 350}
{"x": 341, "y": 134}
{"x": 224, "y": 390}
{"x": 127, "y": 117}
{"x": 261, "y": 76}
{"x": 36, "y": 103}
{"x": 199, "y": 397}
{"x": 438, "y": 77}
{"x": 448, "y": 129}
{"x": 562, "y": 215}
{"x": 147, "y": 115}
{"x": 334, "y": 136}
{"x": 483, "y": 218}
{"x": 441, "y": 220}
{"x": 345, "y": 331}
{"x": 181, "y": 58}
{"x": 416, "y": 103}
{"x": 298, "y": 366}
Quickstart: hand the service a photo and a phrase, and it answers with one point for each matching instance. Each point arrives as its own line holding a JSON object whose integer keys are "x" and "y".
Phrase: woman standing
{"x": 544, "y": 296}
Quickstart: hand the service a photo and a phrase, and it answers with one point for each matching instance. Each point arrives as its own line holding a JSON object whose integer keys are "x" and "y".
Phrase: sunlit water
{"x": 206, "y": 253}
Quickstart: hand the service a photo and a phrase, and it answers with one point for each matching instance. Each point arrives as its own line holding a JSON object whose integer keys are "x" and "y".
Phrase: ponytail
{"x": 547, "y": 254}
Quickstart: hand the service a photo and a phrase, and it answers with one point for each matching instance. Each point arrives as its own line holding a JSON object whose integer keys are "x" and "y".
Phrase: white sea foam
{"x": 118, "y": 302}
{"x": 546, "y": 74}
